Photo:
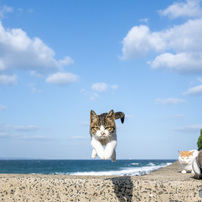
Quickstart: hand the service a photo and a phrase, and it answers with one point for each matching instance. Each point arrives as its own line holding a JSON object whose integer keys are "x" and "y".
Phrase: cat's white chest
{"x": 104, "y": 153}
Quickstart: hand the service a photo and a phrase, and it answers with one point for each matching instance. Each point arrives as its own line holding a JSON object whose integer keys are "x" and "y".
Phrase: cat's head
{"x": 186, "y": 157}
{"x": 102, "y": 126}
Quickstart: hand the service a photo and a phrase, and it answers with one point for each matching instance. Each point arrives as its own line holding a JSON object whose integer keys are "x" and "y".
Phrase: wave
{"x": 135, "y": 171}
{"x": 135, "y": 164}
{"x": 151, "y": 164}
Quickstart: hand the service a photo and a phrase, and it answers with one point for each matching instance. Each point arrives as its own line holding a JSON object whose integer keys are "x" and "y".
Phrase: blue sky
{"x": 60, "y": 59}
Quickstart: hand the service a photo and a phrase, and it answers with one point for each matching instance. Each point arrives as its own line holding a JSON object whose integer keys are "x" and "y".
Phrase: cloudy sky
{"x": 60, "y": 59}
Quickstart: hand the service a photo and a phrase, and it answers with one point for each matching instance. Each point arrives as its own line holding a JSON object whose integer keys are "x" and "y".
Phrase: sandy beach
{"x": 165, "y": 184}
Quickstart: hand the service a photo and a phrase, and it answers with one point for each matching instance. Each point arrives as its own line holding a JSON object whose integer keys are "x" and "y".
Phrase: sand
{"x": 165, "y": 184}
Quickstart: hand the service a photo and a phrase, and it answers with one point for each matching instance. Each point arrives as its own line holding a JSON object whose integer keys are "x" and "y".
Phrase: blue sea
{"x": 82, "y": 167}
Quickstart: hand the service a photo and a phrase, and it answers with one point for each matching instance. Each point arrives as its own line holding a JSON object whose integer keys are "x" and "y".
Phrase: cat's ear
{"x": 93, "y": 115}
{"x": 191, "y": 152}
{"x": 110, "y": 115}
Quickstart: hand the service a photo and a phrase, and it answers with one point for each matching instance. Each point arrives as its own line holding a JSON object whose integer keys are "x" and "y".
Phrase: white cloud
{"x": 191, "y": 8}
{"x": 140, "y": 40}
{"x": 66, "y": 61}
{"x": 181, "y": 38}
{"x": 145, "y": 20}
{"x": 114, "y": 87}
{"x": 94, "y": 96}
{"x": 84, "y": 124}
{"x": 26, "y": 53}
{"x": 36, "y": 138}
{"x": 197, "y": 90}
{"x": 199, "y": 79}
{"x": 178, "y": 48}
{"x": 84, "y": 92}
{"x": 169, "y": 101}
{"x": 79, "y": 137}
{"x": 128, "y": 116}
{"x": 179, "y": 116}
{"x": 21, "y": 137}
{"x": 20, "y": 131}
{"x": 91, "y": 95}
{"x": 34, "y": 89}
{"x": 2, "y": 107}
{"x": 181, "y": 62}
{"x": 35, "y": 74}
{"x": 6, "y": 79}
{"x": 99, "y": 87}
{"x": 30, "y": 10}
{"x": 60, "y": 78}
{"x": 190, "y": 128}
{"x": 5, "y": 9}
{"x": 3, "y": 134}
{"x": 28, "y": 128}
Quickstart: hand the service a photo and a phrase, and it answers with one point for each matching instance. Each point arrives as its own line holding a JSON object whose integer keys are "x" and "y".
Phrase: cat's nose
{"x": 102, "y": 133}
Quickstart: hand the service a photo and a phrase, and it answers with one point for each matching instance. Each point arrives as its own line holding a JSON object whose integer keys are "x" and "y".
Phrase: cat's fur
{"x": 103, "y": 133}
{"x": 186, "y": 159}
{"x": 197, "y": 165}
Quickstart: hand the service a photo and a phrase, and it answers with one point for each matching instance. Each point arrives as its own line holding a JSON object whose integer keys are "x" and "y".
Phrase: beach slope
{"x": 165, "y": 184}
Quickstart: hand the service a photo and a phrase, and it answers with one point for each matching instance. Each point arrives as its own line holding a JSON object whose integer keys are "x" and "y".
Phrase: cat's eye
{"x": 95, "y": 128}
{"x": 109, "y": 128}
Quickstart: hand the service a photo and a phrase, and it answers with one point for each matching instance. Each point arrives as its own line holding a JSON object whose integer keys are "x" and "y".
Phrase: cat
{"x": 103, "y": 133}
{"x": 186, "y": 159}
{"x": 197, "y": 165}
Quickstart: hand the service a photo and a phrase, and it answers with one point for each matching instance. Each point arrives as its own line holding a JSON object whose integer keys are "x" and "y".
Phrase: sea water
{"x": 82, "y": 167}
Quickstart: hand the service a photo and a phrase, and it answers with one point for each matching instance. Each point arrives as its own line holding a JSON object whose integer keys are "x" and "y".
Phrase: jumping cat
{"x": 186, "y": 159}
{"x": 103, "y": 133}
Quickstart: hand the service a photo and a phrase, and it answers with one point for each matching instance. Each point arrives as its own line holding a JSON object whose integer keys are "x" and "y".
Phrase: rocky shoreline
{"x": 165, "y": 184}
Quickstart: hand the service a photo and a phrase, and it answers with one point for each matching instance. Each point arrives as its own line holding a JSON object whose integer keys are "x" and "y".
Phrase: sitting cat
{"x": 103, "y": 133}
{"x": 197, "y": 165}
{"x": 186, "y": 159}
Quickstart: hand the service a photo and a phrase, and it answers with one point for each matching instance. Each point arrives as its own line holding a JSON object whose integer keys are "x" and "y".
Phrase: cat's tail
{"x": 120, "y": 115}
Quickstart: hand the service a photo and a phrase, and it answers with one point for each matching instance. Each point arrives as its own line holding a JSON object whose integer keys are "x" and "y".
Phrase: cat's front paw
{"x": 102, "y": 156}
{"x": 107, "y": 156}
{"x": 183, "y": 171}
{"x": 94, "y": 154}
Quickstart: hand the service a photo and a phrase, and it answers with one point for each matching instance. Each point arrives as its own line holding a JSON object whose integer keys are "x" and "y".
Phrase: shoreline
{"x": 164, "y": 184}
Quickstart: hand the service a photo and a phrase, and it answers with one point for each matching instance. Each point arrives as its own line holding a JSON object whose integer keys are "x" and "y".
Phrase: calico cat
{"x": 186, "y": 159}
{"x": 103, "y": 133}
{"x": 197, "y": 165}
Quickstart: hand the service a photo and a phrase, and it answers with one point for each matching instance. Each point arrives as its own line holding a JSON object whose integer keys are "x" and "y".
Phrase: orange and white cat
{"x": 186, "y": 159}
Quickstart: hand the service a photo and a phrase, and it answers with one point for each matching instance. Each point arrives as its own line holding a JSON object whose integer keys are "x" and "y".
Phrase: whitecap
{"x": 135, "y": 164}
{"x": 135, "y": 171}
{"x": 151, "y": 164}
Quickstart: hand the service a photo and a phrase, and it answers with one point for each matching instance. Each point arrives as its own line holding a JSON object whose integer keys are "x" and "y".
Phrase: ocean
{"x": 82, "y": 167}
